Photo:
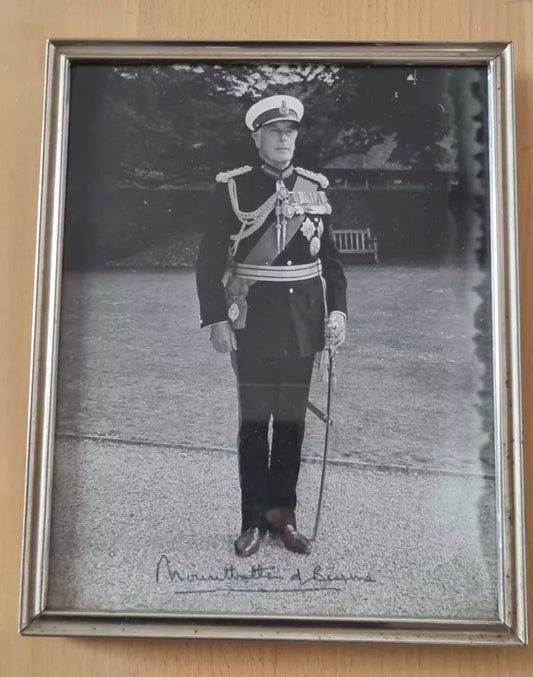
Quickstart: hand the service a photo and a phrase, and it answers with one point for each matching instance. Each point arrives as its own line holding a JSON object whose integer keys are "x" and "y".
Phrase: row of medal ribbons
{"x": 311, "y": 202}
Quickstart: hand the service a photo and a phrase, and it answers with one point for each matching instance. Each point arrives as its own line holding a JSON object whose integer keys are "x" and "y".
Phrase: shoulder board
{"x": 314, "y": 176}
{"x": 224, "y": 177}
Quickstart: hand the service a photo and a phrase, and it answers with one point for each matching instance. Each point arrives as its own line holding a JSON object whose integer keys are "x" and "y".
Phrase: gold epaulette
{"x": 314, "y": 176}
{"x": 224, "y": 177}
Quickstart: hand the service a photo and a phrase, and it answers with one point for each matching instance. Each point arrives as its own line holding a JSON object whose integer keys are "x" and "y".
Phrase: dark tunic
{"x": 280, "y": 322}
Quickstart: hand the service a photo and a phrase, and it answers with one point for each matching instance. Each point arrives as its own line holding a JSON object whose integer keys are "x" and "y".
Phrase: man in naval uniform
{"x": 285, "y": 295}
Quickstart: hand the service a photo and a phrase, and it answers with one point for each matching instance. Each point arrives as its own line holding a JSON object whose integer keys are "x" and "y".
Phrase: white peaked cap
{"x": 274, "y": 109}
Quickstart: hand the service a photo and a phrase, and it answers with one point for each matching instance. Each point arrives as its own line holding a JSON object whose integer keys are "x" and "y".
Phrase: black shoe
{"x": 248, "y": 542}
{"x": 293, "y": 540}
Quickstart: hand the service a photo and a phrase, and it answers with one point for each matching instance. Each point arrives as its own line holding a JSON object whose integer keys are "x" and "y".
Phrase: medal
{"x": 307, "y": 228}
{"x": 282, "y": 191}
{"x": 288, "y": 210}
{"x": 314, "y": 245}
{"x": 233, "y": 312}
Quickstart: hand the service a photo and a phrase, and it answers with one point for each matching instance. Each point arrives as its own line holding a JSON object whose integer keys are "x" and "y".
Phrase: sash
{"x": 265, "y": 249}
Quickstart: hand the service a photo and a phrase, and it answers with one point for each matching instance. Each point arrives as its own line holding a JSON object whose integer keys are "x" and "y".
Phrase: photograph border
{"x": 34, "y": 617}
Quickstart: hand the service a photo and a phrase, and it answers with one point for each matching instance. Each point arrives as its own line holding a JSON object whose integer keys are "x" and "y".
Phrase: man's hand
{"x": 223, "y": 338}
{"x": 336, "y": 329}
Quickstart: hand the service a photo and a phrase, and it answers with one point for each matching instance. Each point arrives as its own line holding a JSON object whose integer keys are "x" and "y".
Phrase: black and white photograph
{"x": 276, "y": 390}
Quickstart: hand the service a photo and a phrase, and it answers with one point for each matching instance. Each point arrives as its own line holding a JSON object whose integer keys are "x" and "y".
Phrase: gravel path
{"x": 150, "y": 528}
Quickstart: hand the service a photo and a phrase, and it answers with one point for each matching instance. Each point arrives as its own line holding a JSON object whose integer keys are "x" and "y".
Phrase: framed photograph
{"x": 275, "y": 379}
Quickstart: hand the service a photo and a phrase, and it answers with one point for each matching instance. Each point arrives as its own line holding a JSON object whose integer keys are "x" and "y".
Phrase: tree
{"x": 170, "y": 123}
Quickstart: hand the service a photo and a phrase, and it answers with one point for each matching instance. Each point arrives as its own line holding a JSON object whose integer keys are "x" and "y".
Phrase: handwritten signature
{"x": 230, "y": 578}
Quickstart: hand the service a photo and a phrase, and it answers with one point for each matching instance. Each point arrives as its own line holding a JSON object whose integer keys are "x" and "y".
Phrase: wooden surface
{"x": 24, "y": 26}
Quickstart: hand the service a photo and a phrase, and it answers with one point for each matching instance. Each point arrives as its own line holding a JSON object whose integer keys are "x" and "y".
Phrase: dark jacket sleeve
{"x": 212, "y": 260}
{"x": 332, "y": 271}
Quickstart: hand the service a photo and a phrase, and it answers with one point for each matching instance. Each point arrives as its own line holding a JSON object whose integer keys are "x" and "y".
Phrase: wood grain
{"x": 24, "y": 28}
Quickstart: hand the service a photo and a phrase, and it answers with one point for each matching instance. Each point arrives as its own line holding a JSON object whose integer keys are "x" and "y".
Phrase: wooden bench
{"x": 356, "y": 242}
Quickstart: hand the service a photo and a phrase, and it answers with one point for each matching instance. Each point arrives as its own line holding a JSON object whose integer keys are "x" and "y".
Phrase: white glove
{"x": 336, "y": 329}
{"x": 223, "y": 337}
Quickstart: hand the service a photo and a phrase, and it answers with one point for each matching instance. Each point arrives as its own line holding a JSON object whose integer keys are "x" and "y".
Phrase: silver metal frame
{"x": 35, "y": 618}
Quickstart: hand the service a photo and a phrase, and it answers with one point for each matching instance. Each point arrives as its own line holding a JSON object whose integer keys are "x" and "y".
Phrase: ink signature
{"x": 231, "y": 578}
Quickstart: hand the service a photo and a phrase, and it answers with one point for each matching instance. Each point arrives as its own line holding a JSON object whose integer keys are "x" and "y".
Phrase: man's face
{"x": 275, "y": 142}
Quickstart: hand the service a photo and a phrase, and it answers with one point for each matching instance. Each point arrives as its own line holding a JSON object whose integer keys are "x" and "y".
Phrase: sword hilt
{"x": 332, "y": 354}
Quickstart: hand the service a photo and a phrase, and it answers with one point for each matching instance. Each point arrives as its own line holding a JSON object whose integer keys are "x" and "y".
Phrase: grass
{"x": 411, "y": 378}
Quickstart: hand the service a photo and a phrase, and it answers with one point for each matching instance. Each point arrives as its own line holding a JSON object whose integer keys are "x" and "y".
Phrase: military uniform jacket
{"x": 284, "y": 319}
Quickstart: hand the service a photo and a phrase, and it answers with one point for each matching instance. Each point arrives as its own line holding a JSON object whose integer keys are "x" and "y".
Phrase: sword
{"x": 326, "y": 418}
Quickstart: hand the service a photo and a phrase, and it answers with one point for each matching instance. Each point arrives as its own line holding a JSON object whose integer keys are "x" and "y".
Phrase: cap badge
{"x": 284, "y": 109}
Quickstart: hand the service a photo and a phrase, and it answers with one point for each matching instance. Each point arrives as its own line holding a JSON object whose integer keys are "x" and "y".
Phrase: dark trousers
{"x": 270, "y": 390}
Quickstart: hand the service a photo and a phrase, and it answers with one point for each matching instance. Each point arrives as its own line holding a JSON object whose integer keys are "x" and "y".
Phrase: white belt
{"x": 305, "y": 271}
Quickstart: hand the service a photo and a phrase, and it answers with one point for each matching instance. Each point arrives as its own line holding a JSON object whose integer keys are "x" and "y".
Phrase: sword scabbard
{"x": 329, "y": 423}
